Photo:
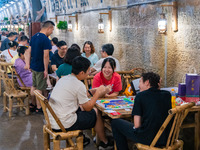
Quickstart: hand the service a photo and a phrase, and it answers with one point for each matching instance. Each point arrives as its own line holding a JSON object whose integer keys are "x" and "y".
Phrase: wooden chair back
{"x": 8, "y": 83}
{"x": 45, "y": 105}
{"x": 128, "y": 76}
{"x": 15, "y": 73}
{"x": 88, "y": 81}
{"x": 177, "y": 114}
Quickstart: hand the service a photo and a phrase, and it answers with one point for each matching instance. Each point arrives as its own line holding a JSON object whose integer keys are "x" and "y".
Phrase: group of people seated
{"x": 69, "y": 97}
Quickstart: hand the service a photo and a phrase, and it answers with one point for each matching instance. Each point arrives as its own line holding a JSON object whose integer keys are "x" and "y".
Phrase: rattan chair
{"x": 58, "y": 136}
{"x": 13, "y": 95}
{"x": 178, "y": 114}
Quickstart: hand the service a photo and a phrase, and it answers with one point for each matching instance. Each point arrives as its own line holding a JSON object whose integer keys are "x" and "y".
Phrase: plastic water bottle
{"x": 173, "y": 98}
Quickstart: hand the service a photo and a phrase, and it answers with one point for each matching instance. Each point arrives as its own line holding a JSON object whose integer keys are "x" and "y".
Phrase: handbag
{"x": 192, "y": 87}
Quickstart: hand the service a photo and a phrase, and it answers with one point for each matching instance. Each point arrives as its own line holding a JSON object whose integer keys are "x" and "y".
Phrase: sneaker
{"x": 108, "y": 146}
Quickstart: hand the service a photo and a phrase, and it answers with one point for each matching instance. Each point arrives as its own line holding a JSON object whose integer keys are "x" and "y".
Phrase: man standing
{"x": 37, "y": 58}
{"x": 150, "y": 110}
{"x": 11, "y": 37}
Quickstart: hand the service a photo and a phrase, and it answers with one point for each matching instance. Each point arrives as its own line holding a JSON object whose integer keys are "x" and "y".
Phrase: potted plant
{"x": 5, "y": 19}
{"x": 4, "y": 29}
{"x": 62, "y": 25}
{"x": 20, "y": 29}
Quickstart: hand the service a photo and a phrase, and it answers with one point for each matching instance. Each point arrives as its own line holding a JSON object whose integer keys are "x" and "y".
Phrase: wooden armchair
{"x": 23, "y": 87}
{"x": 128, "y": 76}
{"x": 58, "y": 136}
{"x": 178, "y": 114}
{"x": 3, "y": 66}
{"x": 88, "y": 82}
{"x": 12, "y": 95}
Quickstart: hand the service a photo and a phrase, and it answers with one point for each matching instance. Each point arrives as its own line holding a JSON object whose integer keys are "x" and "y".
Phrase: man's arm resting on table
{"x": 46, "y": 62}
{"x": 88, "y": 106}
{"x": 100, "y": 91}
{"x": 137, "y": 121}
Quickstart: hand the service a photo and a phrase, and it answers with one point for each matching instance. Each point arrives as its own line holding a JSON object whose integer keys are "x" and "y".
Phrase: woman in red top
{"x": 108, "y": 76}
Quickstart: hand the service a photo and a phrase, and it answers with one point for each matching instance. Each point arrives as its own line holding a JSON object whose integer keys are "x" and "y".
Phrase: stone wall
{"x": 135, "y": 37}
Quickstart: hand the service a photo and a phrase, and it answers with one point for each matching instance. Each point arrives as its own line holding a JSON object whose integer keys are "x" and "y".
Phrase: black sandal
{"x": 39, "y": 111}
{"x": 86, "y": 141}
{"x": 32, "y": 107}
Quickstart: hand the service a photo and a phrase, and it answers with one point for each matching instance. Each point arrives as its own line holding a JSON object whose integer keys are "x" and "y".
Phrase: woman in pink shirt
{"x": 108, "y": 76}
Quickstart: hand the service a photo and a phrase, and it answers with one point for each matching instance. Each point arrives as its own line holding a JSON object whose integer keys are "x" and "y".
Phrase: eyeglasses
{"x": 63, "y": 49}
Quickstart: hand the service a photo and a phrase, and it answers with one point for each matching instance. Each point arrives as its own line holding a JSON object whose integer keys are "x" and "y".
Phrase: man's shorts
{"x": 38, "y": 80}
{"x": 85, "y": 120}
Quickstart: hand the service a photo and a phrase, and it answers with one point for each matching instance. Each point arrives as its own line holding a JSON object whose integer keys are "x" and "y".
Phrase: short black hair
{"x": 108, "y": 48}
{"x": 21, "y": 50}
{"x": 11, "y": 34}
{"x": 61, "y": 43}
{"x": 24, "y": 38}
{"x": 80, "y": 64}
{"x": 72, "y": 52}
{"x": 55, "y": 40}
{"x": 154, "y": 79}
{"x": 3, "y": 33}
{"x": 47, "y": 24}
{"x": 13, "y": 43}
{"x": 76, "y": 46}
{"x": 15, "y": 33}
{"x": 111, "y": 62}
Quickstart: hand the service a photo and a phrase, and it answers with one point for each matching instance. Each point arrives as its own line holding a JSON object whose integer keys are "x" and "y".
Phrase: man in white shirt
{"x": 107, "y": 51}
{"x": 70, "y": 102}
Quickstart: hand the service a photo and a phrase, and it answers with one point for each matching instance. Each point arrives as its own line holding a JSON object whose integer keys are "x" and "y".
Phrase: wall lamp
{"x": 174, "y": 15}
{"x": 162, "y": 24}
{"x": 101, "y": 25}
{"x": 70, "y": 23}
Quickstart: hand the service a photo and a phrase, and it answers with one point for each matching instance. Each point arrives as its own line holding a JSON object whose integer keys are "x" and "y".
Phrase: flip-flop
{"x": 39, "y": 111}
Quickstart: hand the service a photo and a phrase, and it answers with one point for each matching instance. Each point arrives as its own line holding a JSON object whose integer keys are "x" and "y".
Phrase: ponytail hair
{"x": 13, "y": 43}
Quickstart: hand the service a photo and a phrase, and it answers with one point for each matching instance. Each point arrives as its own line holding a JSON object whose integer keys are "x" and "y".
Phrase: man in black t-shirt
{"x": 57, "y": 58}
{"x": 150, "y": 110}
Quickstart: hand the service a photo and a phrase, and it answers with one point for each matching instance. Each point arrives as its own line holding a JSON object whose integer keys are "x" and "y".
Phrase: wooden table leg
{"x": 197, "y": 130}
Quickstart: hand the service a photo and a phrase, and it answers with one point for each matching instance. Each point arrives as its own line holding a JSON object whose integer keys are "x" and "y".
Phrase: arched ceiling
{"x": 5, "y": 3}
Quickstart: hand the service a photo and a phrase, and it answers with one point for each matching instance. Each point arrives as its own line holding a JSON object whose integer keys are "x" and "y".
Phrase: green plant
{"x": 62, "y": 25}
{"x": 4, "y": 29}
{"x": 5, "y": 19}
